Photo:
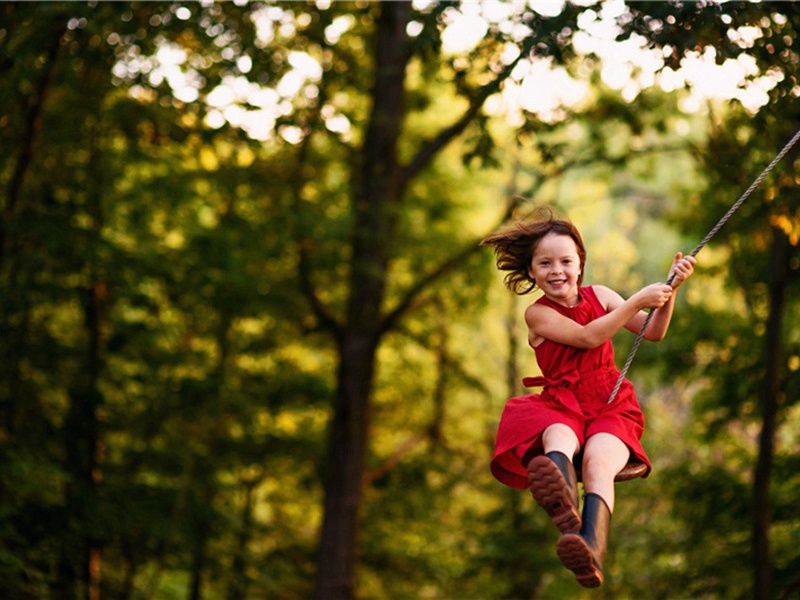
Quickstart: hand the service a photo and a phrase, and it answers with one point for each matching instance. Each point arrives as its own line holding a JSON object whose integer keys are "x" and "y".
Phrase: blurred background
{"x": 250, "y": 346}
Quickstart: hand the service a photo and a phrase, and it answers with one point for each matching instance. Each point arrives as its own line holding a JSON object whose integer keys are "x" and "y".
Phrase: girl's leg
{"x": 604, "y": 456}
{"x": 552, "y": 479}
{"x": 560, "y": 438}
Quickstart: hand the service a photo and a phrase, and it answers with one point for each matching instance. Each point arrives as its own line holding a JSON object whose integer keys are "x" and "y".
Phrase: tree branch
{"x": 393, "y": 459}
{"x": 429, "y": 150}
{"x": 327, "y": 320}
{"x": 391, "y": 318}
{"x": 453, "y": 365}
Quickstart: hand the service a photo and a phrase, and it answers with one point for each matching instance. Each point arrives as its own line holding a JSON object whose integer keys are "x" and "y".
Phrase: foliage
{"x": 169, "y": 282}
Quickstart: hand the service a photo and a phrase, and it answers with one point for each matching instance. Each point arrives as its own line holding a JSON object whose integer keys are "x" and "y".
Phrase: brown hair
{"x": 514, "y": 247}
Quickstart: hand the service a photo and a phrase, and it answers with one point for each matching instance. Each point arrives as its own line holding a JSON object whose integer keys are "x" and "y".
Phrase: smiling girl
{"x": 570, "y": 329}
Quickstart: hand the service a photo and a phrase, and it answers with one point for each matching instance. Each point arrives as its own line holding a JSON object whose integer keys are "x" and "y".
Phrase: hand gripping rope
{"x": 706, "y": 239}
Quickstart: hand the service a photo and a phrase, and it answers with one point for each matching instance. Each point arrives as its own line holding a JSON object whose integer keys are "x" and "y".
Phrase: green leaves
{"x": 180, "y": 189}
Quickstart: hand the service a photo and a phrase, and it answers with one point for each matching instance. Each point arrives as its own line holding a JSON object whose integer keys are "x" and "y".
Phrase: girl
{"x": 570, "y": 330}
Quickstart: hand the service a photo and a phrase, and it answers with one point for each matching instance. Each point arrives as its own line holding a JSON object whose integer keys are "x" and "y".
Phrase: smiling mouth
{"x": 558, "y": 281}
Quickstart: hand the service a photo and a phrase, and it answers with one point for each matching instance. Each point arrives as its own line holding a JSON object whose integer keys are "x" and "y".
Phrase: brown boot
{"x": 554, "y": 485}
{"x": 582, "y": 553}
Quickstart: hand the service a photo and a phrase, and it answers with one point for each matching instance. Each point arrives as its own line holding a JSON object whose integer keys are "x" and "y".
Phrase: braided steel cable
{"x": 709, "y": 235}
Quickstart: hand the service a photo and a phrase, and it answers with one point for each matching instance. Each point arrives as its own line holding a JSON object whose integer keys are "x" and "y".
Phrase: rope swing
{"x": 706, "y": 239}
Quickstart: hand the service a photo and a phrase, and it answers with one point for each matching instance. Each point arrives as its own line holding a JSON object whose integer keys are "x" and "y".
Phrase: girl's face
{"x": 556, "y": 267}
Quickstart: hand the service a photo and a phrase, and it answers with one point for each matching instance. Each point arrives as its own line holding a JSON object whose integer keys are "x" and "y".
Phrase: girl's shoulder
{"x": 600, "y": 293}
{"x": 539, "y": 307}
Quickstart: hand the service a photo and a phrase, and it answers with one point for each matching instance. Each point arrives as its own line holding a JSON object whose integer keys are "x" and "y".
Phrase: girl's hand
{"x": 654, "y": 295}
{"x": 682, "y": 268}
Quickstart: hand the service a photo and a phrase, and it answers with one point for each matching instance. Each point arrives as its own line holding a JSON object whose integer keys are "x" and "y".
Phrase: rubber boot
{"x": 582, "y": 553}
{"x": 554, "y": 485}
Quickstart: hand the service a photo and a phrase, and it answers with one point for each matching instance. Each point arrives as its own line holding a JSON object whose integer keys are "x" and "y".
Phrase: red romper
{"x": 577, "y": 384}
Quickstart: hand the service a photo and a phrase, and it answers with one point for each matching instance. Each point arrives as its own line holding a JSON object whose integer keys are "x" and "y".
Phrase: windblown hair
{"x": 514, "y": 247}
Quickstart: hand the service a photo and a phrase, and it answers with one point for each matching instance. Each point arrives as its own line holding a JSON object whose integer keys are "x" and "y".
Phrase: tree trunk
{"x": 199, "y": 560}
{"x": 377, "y": 195}
{"x": 198, "y": 565}
{"x": 32, "y": 125}
{"x": 435, "y": 430}
{"x": 79, "y": 559}
{"x": 239, "y": 583}
{"x": 769, "y": 400}
{"x": 129, "y": 573}
{"x": 378, "y": 190}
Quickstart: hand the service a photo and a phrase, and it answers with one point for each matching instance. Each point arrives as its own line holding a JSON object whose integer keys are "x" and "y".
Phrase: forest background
{"x": 250, "y": 346}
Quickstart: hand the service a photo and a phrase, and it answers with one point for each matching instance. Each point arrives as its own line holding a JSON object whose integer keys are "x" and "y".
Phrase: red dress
{"x": 577, "y": 384}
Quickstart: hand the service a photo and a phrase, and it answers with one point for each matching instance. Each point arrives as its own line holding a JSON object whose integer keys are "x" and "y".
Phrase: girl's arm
{"x": 546, "y": 323}
{"x": 682, "y": 267}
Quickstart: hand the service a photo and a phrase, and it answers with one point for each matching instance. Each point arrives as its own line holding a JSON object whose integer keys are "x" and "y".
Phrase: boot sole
{"x": 576, "y": 555}
{"x": 550, "y": 490}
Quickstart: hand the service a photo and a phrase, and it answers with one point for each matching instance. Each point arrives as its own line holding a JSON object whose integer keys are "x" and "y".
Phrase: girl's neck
{"x": 569, "y": 302}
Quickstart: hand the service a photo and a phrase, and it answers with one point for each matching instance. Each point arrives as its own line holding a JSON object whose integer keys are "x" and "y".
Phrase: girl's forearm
{"x": 545, "y": 322}
{"x": 603, "y": 328}
{"x": 659, "y": 324}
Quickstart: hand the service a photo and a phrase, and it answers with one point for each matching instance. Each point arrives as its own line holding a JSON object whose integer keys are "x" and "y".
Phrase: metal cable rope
{"x": 706, "y": 239}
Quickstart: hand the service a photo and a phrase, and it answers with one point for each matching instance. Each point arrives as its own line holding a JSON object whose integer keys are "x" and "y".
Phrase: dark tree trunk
{"x": 239, "y": 583}
{"x": 377, "y": 194}
{"x": 199, "y": 559}
{"x": 769, "y": 403}
{"x": 32, "y": 124}
{"x": 129, "y": 574}
{"x": 79, "y": 560}
{"x": 436, "y": 428}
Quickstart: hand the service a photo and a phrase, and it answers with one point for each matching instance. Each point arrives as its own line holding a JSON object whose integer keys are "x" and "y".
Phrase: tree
{"x": 91, "y": 397}
{"x": 232, "y": 283}
{"x": 774, "y": 51}
{"x": 379, "y": 187}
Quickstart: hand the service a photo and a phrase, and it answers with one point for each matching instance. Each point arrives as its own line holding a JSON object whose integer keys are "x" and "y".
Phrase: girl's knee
{"x": 598, "y": 463}
{"x": 561, "y": 431}
{"x": 605, "y": 459}
{"x": 560, "y": 437}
